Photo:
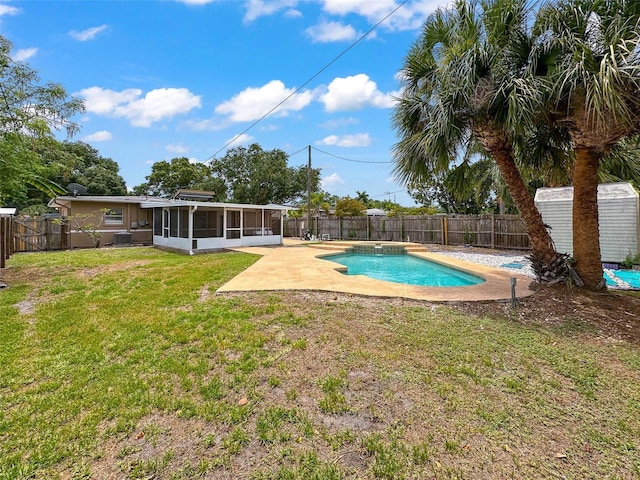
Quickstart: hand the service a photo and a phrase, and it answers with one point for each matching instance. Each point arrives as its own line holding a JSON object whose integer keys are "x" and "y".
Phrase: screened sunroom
{"x": 195, "y": 227}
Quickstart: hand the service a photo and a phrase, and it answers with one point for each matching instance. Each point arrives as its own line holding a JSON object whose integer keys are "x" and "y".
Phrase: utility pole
{"x": 309, "y": 191}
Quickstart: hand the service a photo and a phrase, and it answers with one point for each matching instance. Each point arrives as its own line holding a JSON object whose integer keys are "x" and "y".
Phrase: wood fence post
{"x": 47, "y": 233}
{"x": 445, "y": 230}
{"x": 493, "y": 230}
{"x": 63, "y": 236}
{"x": 3, "y": 241}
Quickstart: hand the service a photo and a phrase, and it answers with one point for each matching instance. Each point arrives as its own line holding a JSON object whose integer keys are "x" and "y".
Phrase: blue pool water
{"x": 630, "y": 277}
{"x": 404, "y": 269}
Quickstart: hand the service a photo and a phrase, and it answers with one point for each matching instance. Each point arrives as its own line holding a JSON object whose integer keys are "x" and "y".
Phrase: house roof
{"x": 4, "y": 211}
{"x": 605, "y": 191}
{"x": 105, "y": 199}
{"x": 190, "y": 203}
{"x": 375, "y": 212}
{"x": 194, "y": 195}
{"x": 152, "y": 202}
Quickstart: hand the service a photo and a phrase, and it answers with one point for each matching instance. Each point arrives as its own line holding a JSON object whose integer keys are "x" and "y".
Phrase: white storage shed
{"x": 618, "y": 215}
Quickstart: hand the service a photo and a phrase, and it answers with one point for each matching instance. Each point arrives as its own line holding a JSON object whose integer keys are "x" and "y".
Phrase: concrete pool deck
{"x": 297, "y": 266}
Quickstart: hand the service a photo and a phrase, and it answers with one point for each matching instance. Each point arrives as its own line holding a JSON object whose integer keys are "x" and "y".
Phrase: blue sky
{"x": 165, "y": 79}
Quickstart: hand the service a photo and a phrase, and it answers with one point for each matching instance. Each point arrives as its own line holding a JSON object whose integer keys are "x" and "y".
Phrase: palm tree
{"x": 592, "y": 92}
{"x": 461, "y": 86}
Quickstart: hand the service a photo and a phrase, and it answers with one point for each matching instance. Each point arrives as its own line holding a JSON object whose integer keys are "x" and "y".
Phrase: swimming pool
{"x": 404, "y": 269}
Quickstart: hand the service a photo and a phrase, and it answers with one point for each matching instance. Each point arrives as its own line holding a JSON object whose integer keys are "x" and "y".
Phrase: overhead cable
{"x": 346, "y": 159}
{"x": 297, "y": 89}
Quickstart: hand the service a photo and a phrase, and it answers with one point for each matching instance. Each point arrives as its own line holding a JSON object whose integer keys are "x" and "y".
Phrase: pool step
{"x": 341, "y": 245}
{"x": 325, "y": 246}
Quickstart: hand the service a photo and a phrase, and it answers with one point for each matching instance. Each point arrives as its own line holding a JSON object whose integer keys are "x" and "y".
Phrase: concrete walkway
{"x": 296, "y": 266}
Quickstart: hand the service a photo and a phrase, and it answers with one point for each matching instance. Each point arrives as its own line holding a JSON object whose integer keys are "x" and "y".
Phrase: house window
{"x": 114, "y": 216}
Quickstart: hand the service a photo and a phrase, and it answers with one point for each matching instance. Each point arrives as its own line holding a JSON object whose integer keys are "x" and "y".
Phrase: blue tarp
{"x": 632, "y": 277}
{"x": 512, "y": 265}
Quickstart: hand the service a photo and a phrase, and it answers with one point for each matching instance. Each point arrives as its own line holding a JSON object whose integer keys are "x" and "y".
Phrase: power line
{"x": 295, "y": 153}
{"x": 346, "y": 159}
{"x": 297, "y": 89}
{"x": 387, "y": 193}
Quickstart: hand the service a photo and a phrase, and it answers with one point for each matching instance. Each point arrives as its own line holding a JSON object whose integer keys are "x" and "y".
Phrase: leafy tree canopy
{"x": 368, "y": 202}
{"x": 349, "y": 207}
{"x": 167, "y": 178}
{"x": 62, "y": 163}
{"x": 253, "y": 175}
{"x": 29, "y": 113}
{"x": 469, "y": 188}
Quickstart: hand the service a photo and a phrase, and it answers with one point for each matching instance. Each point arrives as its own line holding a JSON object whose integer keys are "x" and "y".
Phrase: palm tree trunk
{"x": 586, "y": 231}
{"x": 500, "y": 149}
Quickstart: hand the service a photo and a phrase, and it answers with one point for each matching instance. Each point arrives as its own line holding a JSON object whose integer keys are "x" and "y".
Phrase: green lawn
{"x": 124, "y": 363}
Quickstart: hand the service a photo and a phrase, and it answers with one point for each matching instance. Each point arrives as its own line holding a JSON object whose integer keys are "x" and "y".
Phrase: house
{"x": 618, "y": 218}
{"x": 181, "y": 223}
{"x": 375, "y": 212}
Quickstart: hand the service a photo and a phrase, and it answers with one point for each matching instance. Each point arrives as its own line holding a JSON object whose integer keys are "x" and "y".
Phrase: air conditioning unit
{"x": 123, "y": 238}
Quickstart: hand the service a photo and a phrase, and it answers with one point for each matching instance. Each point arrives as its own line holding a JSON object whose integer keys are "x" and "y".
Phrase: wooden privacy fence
{"x": 492, "y": 231}
{"x": 38, "y": 234}
{"x": 6, "y": 237}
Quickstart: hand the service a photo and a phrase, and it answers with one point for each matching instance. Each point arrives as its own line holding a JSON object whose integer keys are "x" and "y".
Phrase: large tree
{"x": 167, "y": 178}
{"x": 253, "y": 175}
{"x": 592, "y": 92}
{"x": 469, "y": 188}
{"x": 62, "y": 163}
{"x": 461, "y": 87}
{"x": 100, "y": 175}
{"x": 29, "y": 113}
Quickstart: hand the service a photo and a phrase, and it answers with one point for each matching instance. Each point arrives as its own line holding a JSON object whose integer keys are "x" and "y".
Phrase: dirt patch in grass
{"x": 612, "y": 314}
{"x": 298, "y": 385}
{"x": 28, "y": 305}
{"x": 114, "y": 267}
{"x": 160, "y": 442}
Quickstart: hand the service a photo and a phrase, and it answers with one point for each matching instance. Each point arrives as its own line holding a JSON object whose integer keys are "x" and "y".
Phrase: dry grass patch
{"x": 139, "y": 373}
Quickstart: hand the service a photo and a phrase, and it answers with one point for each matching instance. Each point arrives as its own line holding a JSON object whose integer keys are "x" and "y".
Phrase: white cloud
{"x": 325, "y": 32}
{"x": 410, "y": 16}
{"x": 156, "y": 105}
{"x": 293, "y": 13}
{"x": 354, "y": 93}
{"x": 8, "y": 10}
{"x": 104, "y": 101}
{"x": 208, "y": 124}
{"x": 339, "y": 122}
{"x": 88, "y": 34}
{"x": 176, "y": 148}
{"x": 24, "y": 54}
{"x": 241, "y": 139}
{"x": 262, "y": 8}
{"x": 330, "y": 181}
{"x": 101, "y": 136}
{"x": 358, "y": 140}
{"x": 253, "y": 103}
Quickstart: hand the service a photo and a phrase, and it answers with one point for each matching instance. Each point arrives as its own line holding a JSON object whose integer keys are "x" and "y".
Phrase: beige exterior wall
{"x": 133, "y": 219}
